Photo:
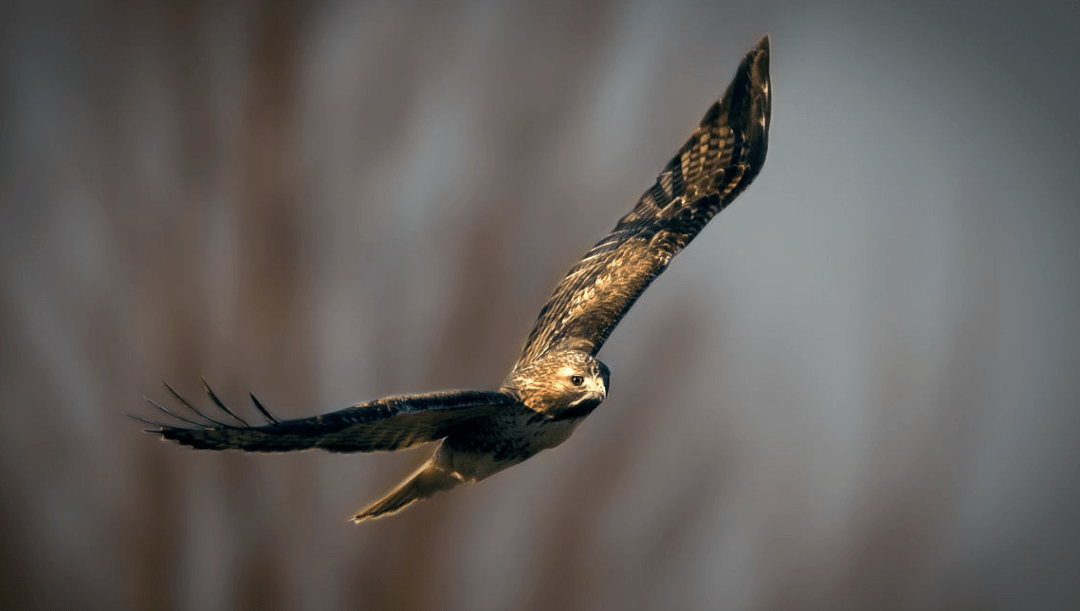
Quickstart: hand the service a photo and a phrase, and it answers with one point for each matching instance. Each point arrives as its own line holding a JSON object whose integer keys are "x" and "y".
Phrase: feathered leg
{"x": 428, "y": 480}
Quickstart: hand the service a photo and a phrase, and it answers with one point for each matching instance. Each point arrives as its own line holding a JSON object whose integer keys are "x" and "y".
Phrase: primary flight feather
{"x": 558, "y": 381}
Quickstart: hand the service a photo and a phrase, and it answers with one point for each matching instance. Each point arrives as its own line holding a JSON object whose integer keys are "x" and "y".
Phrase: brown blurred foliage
{"x": 856, "y": 390}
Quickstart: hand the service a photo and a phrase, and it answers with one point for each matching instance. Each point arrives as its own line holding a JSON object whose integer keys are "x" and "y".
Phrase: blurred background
{"x": 857, "y": 389}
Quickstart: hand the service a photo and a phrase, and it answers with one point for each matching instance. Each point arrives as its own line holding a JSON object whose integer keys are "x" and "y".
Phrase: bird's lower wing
{"x": 719, "y": 160}
{"x": 391, "y": 423}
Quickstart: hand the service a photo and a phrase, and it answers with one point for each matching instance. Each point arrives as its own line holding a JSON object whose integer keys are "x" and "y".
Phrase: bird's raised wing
{"x": 719, "y": 160}
{"x": 391, "y": 423}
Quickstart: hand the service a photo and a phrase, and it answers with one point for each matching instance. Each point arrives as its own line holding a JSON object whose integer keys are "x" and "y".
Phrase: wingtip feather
{"x": 144, "y": 421}
{"x": 182, "y": 401}
{"x": 161, "y": 407}
{"x": 749, "y": 103}
{"x": 265, "y": 412}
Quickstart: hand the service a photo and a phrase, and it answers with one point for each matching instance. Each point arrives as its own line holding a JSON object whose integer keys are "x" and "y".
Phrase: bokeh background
{"x": 857, "y": 389}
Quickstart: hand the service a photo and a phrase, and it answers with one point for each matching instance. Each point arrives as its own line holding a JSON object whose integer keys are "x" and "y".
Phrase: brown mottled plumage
{"x": 557, "y": 382}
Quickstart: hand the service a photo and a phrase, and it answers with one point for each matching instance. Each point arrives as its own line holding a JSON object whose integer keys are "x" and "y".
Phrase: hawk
{"x": 558, "y": 380}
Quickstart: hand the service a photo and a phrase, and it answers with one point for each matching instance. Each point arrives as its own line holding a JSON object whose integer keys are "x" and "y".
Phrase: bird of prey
{"x": 558, "y": 380}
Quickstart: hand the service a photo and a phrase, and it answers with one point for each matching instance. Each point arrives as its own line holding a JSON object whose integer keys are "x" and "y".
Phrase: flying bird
{"x": 558, "y": 380}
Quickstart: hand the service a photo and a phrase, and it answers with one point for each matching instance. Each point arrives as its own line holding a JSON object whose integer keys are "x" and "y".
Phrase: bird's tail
{"x": 428, "y": 480}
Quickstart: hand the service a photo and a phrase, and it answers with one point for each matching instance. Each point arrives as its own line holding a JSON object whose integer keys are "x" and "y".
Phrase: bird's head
{"x": 561, "y": 384}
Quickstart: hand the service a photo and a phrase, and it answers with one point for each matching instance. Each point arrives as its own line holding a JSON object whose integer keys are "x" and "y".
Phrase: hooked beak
{"x": 582, "y": 406}
{"x": 594, "y": 391}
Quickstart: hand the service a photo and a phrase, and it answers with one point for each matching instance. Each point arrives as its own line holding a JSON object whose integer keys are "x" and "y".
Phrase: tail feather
{"x": 428, "y": 480}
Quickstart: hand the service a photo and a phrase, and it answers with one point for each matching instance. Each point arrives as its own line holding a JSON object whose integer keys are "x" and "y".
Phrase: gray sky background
{"x": 857, "y": 389}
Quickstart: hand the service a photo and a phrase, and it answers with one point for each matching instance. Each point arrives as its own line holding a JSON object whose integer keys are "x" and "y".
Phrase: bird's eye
{"x": 577, "y": 380}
